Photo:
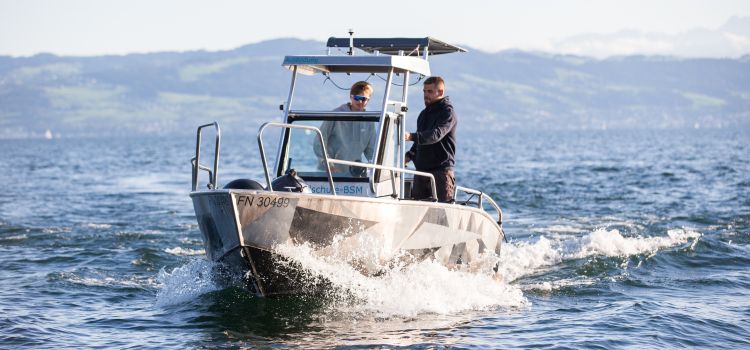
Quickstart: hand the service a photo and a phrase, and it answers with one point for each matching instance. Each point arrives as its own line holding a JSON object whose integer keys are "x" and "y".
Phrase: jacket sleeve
{"x": 446, "y": 121}
{"x": 412, "y": 152}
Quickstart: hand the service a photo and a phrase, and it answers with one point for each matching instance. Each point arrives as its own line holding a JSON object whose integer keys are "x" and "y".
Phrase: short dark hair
{"x": 360, "y": 87}
{"x": 435, "y": 80}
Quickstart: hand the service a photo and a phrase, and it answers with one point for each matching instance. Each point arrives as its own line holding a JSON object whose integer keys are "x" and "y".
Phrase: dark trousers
{"x": 445, "y": 183}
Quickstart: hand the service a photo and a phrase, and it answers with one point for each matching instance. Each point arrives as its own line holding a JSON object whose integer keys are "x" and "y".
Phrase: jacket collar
{"x": 445, "y": 101}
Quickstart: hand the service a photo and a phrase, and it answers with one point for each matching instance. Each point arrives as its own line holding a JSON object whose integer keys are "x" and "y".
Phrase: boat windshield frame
{"x": 295, "y": 118}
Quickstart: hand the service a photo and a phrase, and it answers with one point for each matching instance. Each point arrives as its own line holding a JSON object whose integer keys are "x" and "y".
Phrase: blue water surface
{"x": 643, "y": 238}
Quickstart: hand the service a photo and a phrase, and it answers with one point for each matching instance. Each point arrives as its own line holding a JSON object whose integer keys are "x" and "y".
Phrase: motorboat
{"x": 363, "y": 214}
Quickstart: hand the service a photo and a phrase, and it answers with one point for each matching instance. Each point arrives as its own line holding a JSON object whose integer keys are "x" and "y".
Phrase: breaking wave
{"x": 185, "y": 283}
{"x": 524, "y": 258}
{"x": 407, "y": 290}
{"x": 428, "y": 287}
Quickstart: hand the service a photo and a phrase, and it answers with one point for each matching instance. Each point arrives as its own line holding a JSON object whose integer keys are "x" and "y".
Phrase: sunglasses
{"x": 359, "y": 98}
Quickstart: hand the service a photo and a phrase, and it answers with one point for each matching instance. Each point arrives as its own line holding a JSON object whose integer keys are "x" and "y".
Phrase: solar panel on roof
{"x": 392, "y": 46}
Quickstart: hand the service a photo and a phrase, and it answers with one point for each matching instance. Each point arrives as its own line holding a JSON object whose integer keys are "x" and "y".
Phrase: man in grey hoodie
{"x": 350, "y": 140}
{"x": 434, "y": 148}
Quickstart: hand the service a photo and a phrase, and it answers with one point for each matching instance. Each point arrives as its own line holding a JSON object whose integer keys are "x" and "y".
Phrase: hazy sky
{"x": 93, "y": 27}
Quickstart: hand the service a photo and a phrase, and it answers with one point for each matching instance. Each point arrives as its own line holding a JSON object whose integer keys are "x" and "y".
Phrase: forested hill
{"x": 241, "y": 88}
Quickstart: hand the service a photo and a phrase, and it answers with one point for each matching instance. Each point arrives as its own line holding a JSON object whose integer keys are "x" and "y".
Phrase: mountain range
{"x": 731, "y": 39}
{"x": 173, "y": 92}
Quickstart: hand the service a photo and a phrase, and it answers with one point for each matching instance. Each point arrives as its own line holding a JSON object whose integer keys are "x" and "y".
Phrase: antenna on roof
{"x": 351, "y": 41}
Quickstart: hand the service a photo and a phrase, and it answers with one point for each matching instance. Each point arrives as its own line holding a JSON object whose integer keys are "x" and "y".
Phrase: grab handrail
{"x": 392, "y": 170}
{"x": 290, "y": 126}
{"x": 213, "y": 177}
{"x": 321, "y": 114}
{"x": 479, "y": 202}
{"x": 479, "y": 205}
{"x": 206, "y": 169}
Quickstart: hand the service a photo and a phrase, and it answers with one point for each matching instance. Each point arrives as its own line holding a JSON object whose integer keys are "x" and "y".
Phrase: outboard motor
{"x": 290, "y": 183}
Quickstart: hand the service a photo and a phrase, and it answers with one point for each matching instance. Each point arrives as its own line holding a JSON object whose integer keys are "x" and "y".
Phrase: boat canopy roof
{"x": 401, "y": 54}
{"x": 357, "y": 64}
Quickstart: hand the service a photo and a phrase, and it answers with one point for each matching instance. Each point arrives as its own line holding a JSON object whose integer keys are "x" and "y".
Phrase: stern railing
{"x": 480, "y": 197}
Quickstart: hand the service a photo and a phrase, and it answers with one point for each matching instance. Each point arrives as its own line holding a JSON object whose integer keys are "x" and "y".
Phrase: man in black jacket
{"x": 434, "y": 148}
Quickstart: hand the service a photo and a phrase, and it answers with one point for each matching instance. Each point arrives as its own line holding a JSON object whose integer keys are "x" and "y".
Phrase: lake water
{"x": 617, "y": 239}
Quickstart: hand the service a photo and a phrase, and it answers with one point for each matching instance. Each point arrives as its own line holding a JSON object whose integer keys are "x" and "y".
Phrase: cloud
{"x": 730, "y": 40}
{"x": 738, "y": 26}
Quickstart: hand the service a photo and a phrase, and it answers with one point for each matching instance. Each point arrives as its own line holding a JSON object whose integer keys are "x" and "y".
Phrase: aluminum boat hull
{"x": 243, "y": 229}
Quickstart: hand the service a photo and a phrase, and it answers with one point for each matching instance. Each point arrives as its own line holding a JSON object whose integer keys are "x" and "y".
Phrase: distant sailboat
{"x": 48, "y": 134}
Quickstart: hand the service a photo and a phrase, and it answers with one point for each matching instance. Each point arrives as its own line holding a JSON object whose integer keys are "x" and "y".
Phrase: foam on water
{"x": 408, "y": 290}
{"x": 612, "y": 243}
{"x": 184, "y": 251}
{"x": 96, "y": 225}
{"x": 185, "y": 283}
{"x": 569, "y": 229}
{"x": 20, "y": 237}
{"x": 549, "y": 286}
{"x": 523, "y": 258}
